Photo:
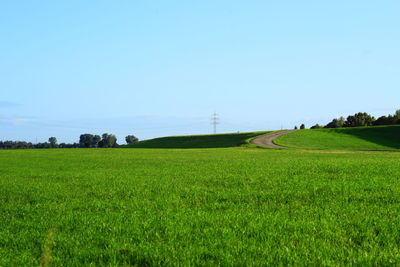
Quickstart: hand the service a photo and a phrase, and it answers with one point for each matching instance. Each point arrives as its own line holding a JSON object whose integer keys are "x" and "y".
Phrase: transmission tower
{"x": 215, "y": 121}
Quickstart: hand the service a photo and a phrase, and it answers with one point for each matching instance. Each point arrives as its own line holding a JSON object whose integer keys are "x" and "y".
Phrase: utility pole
{"x": 215, "y": 121}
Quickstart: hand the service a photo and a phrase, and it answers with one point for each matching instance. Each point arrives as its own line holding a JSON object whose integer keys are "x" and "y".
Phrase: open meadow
{"x": 225, "y": 206}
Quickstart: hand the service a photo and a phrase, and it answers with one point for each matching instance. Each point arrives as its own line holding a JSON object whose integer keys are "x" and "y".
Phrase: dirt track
{"x": 267, "y": 140}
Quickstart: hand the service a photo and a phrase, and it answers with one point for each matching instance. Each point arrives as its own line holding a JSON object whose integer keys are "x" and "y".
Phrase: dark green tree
{"x": 302, "y": 127}
{"x": 316, "y": 126}
{"x": 385, "y": 120}
{"x": 131, "y": 139}
{"x": 336, "y": 123}
{"x": 100, "y": 144}
{"x": 104, "y": 139}
{"x": 95, "y": 140}
{"x": 397, "y": 116}
{"x": 53, "y": 142}
{"x": 112, "y": 140}
{"x": 86, "y": 140}
{"x": 109, "y": 140}
{"x": 359, "y": 119}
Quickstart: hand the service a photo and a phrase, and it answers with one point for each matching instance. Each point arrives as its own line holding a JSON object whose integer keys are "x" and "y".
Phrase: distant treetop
{"x": 362, "y": 119}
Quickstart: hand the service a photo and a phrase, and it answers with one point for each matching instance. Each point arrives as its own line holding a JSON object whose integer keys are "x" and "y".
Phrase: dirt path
{"x": 267, "y": 140}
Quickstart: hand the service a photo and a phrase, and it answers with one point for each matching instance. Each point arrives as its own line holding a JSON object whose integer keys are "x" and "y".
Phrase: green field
{"x": 226, "y": 206}
{"x": 197, "y": 141}
{"x": 359, "y": 138}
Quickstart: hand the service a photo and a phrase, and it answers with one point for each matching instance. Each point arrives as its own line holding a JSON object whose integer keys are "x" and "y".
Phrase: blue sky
{"x": 156, "y": 68}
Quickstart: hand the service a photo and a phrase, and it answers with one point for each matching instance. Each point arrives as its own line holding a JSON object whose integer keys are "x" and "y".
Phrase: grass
{"x": 229, "y": 206}
{"x": 360, "y": 138}
{"x": 198, "y": 141}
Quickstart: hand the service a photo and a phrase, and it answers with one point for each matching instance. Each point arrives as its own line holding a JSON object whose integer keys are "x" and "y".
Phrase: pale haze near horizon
{"x": 159, "y": 68}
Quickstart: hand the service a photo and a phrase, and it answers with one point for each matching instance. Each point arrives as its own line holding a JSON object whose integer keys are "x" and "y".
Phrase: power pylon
{"x": 215, "y": 121}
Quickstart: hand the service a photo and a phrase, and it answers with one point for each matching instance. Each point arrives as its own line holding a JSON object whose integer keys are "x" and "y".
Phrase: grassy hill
{"x": 197, "y": 141}
{"x": 359, "y": 138}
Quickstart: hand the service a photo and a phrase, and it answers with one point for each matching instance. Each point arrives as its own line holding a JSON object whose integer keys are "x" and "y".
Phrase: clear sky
{"x": 156, "y": 68}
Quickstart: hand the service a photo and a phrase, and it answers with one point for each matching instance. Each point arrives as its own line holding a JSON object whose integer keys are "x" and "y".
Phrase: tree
{"x": 388, "y": 120}
{"x": 95, "y": 140}
{"x": 89, "y": 140}
{"x": 359, "y": 119}
{"x": 104, "y": 139}
{"x": 295, "y": 127}
{"x": 131, "y": 139}
{"x": 302, "y": 127}
{"x": 383, "y": 120}
{"x": 100, "y": 144}
{"x": 336, "y": 123}
{"x": 112, "y": 140}
{"x": 109, "y": 140}
{"x": 42, "y": 145}
{"x": 397, "y": 116}
{"x": 15, "y": 145}
{"x": 53, "y": 142}
{"x": 86, "y": 140}
{"x": 316, "y": 126}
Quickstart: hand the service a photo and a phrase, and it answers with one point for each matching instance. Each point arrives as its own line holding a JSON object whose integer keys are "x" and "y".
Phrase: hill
{"x": 358, "y": 138}
{"x": 197, "y": 141}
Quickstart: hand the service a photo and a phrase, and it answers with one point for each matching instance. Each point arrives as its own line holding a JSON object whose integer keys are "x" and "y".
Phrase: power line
{"x": 215, "y": 121}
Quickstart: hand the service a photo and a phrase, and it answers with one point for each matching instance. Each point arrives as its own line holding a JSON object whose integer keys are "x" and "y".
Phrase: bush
{"x": 316, "y": 126}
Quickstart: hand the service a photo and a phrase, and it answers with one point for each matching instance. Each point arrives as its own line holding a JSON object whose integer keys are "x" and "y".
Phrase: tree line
{"x": 362, "y": 119}
{"x": 85, "y": 141}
